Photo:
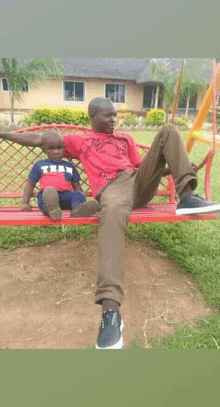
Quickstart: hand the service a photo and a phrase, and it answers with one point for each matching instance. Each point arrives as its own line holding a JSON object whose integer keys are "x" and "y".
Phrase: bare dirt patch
{"x": 46, "y": 296}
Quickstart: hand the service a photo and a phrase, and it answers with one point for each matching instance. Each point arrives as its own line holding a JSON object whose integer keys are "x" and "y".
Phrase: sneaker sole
{"x": 119, "y": 344}
{"x": 87, "y": 209}
{"x": 51, "y": 200}
{"x": 199, "y": 210}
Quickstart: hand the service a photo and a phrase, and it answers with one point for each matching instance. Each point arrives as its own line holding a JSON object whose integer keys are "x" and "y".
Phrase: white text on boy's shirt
{"x": 56, "y": 168}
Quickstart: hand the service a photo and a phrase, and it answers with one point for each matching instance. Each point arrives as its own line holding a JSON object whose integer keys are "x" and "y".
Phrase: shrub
{"x": 181, "y": 121}
{"x": 210, "y": 116}
{"x": 131, "y": 120}
{"x": 68, "y": 115}
{"x": 156, "y": 116}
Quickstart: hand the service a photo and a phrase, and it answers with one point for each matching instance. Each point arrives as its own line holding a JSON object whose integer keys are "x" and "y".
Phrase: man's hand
{"x": 26, "y": 207}
{"x": 195, "y": 167}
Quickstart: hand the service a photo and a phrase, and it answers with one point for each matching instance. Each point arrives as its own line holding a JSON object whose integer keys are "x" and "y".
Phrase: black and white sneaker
{"x": 110, "y": 331}
{"x": 195, "y": 204}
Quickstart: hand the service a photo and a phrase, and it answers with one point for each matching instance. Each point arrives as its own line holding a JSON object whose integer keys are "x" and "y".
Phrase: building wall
{"x": 50, "y": 93}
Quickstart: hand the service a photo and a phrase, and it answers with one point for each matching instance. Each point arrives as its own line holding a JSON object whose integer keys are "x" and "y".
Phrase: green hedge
{"x": 156, "y": 116}
{"x": 67, "y": 115}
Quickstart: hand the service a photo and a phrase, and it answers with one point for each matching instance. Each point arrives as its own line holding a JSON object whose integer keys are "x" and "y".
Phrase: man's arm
{"x": 25, "y": 139}
{"x": 28, "y": 191}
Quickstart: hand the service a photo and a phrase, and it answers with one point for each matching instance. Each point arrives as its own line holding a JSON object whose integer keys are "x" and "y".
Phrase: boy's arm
{"x": 25, "y": 139}
{"x": 76, "y": 186}
{"x": 28, "y": 191}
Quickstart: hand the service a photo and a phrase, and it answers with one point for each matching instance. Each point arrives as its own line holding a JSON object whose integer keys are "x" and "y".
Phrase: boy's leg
{"x": 76, "y": 202}
{"x": 41, "y": 204}
{"x": 51, "y": 201}
{"x": 69, "y": 199}
{"x": 78, "y": 197}
{"x": 167, "y": 148}
{"x": 81, "y": 207}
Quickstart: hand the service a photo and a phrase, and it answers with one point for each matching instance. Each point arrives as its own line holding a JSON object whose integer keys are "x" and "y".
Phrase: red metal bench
{"x": 16, "y": 161}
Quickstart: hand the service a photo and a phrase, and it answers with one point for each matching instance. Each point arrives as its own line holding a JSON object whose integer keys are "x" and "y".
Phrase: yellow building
{"x": 124, "y": 80}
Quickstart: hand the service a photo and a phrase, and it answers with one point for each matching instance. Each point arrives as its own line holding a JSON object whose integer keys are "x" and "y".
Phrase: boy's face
{"x": 53, "y": 147}
{"x": 104, "y": 120}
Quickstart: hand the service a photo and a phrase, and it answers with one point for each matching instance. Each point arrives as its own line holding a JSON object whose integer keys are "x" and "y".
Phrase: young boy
{"x": 59, "y": 183}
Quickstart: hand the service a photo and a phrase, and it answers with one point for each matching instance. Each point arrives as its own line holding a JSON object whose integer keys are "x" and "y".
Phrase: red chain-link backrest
{"x": 16, "y": 161}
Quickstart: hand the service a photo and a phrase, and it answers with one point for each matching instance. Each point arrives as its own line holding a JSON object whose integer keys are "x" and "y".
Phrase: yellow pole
{"x": 203, "y": 111}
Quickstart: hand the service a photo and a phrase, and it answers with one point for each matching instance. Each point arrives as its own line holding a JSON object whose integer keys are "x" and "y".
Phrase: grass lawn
{"x": 193, "y": 245}
{"x": 196, "y": 247}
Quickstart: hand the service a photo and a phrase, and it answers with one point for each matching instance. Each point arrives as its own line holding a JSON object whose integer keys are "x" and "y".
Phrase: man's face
{"x": 104, "y": 120}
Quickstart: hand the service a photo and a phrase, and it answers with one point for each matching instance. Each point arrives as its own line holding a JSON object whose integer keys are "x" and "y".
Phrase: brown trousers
{"x": 132, "y": 190}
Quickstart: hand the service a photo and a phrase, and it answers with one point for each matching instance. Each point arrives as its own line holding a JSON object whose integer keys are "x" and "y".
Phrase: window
{"x": 6, "y": 89}
{"x": 192, "y": 103}
{"x": 4, "y": 85}
{"x": 115, "y": 92}
{"x": 150, "y": 95}
{"x": 74, "y": 91}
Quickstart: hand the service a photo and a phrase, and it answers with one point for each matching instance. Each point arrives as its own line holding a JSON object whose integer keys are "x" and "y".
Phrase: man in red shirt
{"x": 121, "y": 181}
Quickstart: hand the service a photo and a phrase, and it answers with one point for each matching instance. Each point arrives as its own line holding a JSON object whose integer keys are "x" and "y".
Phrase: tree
{"x": 33, "y": 71}
{"x": 194, "y": 80}
{"x": 160, "y": 71}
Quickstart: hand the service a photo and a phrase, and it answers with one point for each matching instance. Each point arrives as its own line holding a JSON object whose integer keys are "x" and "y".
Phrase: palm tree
{"x": 154, "y": 71}
{"x": 193, "y": 79}
{"x": 33, "y": 71}
{"x": 160, "y": 72}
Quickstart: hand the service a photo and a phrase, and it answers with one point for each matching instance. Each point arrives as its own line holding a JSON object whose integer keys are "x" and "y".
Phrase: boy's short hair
{"x": 51, "y": 133}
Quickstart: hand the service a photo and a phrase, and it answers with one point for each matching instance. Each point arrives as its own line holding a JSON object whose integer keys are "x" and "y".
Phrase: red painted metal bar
{"x": 151, "y": 213}
{"x": 20, "y": 194}
{"x": 207, "y": 177}
{"x": 177, "y": 92}
{"x": 214, "y": 103}
{"x": 52, "y": 126}
{"x": 211, "y": 153}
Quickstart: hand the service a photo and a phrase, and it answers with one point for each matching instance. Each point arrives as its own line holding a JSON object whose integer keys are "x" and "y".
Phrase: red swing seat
{"x": 16, "y": 162}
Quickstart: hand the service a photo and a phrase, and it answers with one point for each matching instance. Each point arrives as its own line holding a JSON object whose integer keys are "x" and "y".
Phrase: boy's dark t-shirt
{"x": 56, "y": 174}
